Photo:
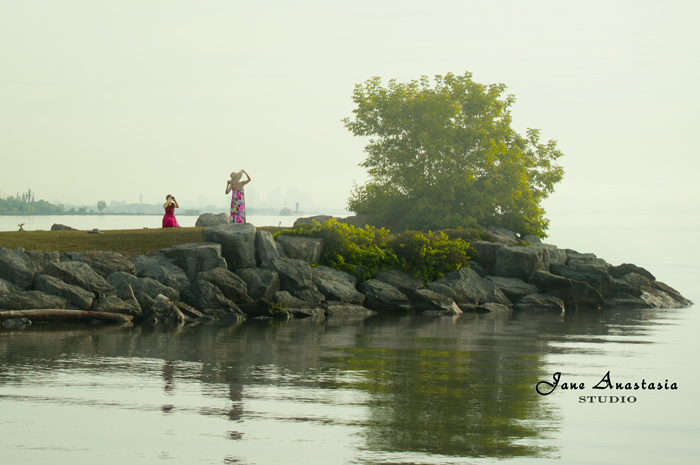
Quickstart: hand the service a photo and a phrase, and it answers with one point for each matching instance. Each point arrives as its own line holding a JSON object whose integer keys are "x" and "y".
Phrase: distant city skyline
{"x": 273, "y": 198}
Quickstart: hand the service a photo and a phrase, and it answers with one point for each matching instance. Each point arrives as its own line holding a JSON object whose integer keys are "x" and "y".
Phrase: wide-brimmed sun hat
{"x": 236, "y": 177}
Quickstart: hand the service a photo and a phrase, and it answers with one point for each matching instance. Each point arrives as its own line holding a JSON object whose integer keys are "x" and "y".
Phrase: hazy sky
{"x": 112, "y": 99}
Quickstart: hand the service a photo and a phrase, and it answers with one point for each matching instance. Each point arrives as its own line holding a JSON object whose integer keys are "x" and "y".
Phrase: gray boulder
{"x": 191, "y": 312}
{"x": 359, "y": 221}
{"x": 113, "y": 304}
{"x": 211, "y": 219}
{"x": 280, "y": 250}
{"x": 16, "y": 268}
{"x": 30, "y": 300}
{"x": 491, "y": 307}
{"x": 309, "y": 295}
{"x": 305, "y": 312}
{"x": 344, "y": 309}
{"x": 103, "y": 262}
{"x": 656, "y": 293}
{"x": 205, "y": 296}
{"x": 308, "y": 249}
{"x": 195, "y": 257}
{"x": 341, "y": 291}
{"x": 293, "y": 274}
{"x": 5, "y": 286}
{"x": 384, "y": 298}
{"x": 626, "y": 268}
{"x": 79, "y": 274}
{"x": 266, "y": 245}
{"x": 232, "y": 286}
{"x": 532, "y": 239}
{"x": 330, "y": 274}
{"x": 513, "y": 288}
{"x": 659, "y": 299}
{"x": 625, "y": 301}
{"x": 141, "y": 286}
{"x": 156, "y": 266}
{"x": 237, "y": 243}
{"x": 61, "y": 227}
{"x": 521, "y": 261}
{"x": 41, "y": 258}
{"x": 585, "y": 261}
{"x": 165, "y": 313}
{"x": 289, "y": 301}
{"x": 467, "y": 288}
{"x": 596, "y": 276}
{"x": 263, "y": 308}
{"x": 540, "y": 303}
{"x": 311, "y": 219}
{"x": 555, "y": 254}
{"x": 478, "y": 269}
{"x": 502, "y": 235}
{"x": 486, "y": 253}
{"x": 77, "y": 296}
{"x": 674, "y": 294}
{"x": 261, "y": 283}
{"x": 575, "y": 294}
{"x": 426, "y": 300}
{"x": 401, "y": 280}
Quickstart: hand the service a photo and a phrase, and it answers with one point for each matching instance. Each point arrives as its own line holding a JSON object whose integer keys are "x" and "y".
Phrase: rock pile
{"x": 241, "y": 272}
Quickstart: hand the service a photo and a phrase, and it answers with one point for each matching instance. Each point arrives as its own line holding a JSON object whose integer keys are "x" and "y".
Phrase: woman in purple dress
{"x": 235, "y": 186}
{"x": 170, "y": 205}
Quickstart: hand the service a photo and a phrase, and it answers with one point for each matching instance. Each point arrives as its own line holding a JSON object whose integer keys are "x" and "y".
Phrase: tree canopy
{"x": 444, "y": 155}
{"x": 25, "y": 204}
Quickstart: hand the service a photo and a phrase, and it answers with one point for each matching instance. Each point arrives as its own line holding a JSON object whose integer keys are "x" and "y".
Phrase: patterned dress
{"x": 237, "y": 206}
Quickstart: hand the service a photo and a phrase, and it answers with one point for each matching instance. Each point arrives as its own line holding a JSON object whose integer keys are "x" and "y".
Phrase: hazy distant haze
{"x": 109, "y": 100}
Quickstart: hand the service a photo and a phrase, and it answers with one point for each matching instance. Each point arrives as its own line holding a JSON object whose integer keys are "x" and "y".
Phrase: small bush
{"x": 362, "y": 251}
{"x": 429, "y": 255}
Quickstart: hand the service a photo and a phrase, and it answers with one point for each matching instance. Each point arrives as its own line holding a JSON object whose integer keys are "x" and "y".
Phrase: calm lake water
{"x": 398, "y": 390}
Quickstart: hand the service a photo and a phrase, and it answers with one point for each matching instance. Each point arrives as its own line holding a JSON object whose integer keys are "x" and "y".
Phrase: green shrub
{"x": 360, "y": 251}
{"x": 429, "y": 255}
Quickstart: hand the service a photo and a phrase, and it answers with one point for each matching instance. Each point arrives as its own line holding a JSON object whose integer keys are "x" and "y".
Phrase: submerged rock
{"x": 540, "y": 303}
{"x": 384, "y": 298}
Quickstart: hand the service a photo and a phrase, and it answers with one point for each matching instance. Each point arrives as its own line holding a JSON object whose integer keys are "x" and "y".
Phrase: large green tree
{"x": 443, "y": 154}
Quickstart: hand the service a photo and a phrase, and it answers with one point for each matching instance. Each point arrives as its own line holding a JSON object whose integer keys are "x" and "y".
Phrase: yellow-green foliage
{"x": 362, "y": 251}
{"x": 356, "y": 250}
{"x": 429, "y": 255}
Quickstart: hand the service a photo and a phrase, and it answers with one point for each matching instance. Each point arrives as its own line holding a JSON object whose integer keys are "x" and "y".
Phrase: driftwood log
{"x": 59, "y": 313}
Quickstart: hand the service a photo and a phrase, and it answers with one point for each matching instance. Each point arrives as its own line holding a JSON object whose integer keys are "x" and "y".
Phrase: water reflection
{"x": 460, "y": 387}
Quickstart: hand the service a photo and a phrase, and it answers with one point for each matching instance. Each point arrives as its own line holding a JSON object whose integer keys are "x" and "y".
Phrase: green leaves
{"x": 362, "y": 251}
{"x": 445, "y": 156}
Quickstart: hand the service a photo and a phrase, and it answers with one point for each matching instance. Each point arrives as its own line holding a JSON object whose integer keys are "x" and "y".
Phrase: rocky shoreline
{"x": 240, "y": 273}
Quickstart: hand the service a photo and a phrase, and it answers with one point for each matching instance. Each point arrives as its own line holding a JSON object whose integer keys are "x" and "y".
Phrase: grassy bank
{"x": 128, "y": 242}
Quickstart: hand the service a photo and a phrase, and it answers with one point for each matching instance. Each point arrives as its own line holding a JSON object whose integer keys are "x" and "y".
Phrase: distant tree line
{"x": 25, "y": 204}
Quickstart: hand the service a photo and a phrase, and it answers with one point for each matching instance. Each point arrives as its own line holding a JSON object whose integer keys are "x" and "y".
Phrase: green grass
{"x": 128, "y": 242}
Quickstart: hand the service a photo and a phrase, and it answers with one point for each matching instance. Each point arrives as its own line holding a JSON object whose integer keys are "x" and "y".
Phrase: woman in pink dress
{"x": 235, "y": 186}
{"x": 170, "y": 205}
